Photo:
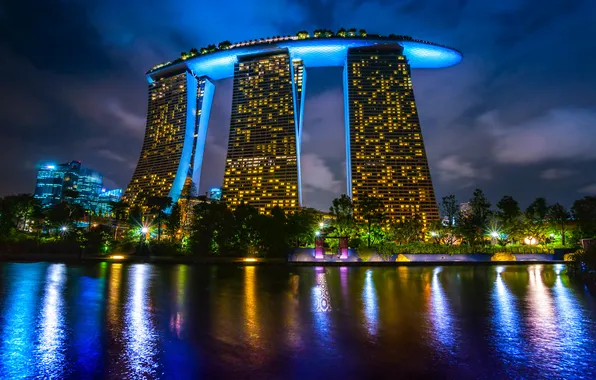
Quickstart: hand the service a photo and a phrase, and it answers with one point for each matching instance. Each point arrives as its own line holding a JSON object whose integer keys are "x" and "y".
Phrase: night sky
{"x": 517, "y": 116}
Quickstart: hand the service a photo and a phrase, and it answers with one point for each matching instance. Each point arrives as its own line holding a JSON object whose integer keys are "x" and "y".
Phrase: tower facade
{"x": 177, "y": 119}
{"x": 262, "y": 163}
{"x": 385, "y": 154}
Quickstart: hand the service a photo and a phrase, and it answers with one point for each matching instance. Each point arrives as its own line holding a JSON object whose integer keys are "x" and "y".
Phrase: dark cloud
{"x": 516, "y": 116}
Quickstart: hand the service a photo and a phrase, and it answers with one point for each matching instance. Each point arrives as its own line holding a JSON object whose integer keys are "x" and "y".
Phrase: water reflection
{"x": 87, "y": 330}
{"x": 321, "y": 306}
{"x": 50, "y": 350}
{"x": 251, "y": 324}
{"x": 321, "y": 292}
{"x": 440, "y": 315}
{"x": 114, "y": 297}
{"x": 292, "y": 313}
{"x": 371, "y": 307}
{"x": 140, "y": 333}
{"x": 178, "y": 318}
{"x": 506, "y": 323}
{"x": 18, "y": 322}
{"x": 574, "y": 345}
{"x": 541, "y": 318}
{"x": 224, "y": 322}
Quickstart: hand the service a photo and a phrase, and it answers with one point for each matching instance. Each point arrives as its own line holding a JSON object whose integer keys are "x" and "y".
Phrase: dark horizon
{"x": 515, "y": 117}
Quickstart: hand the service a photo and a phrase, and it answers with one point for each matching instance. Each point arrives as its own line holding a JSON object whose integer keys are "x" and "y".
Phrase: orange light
{"x": 250, "y": 259}
{"x": 117, "y": 257}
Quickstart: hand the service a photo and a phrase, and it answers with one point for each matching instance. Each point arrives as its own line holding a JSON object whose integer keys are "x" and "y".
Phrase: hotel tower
{"x": 262, "y": 165}
{"x": 385, "y": 153}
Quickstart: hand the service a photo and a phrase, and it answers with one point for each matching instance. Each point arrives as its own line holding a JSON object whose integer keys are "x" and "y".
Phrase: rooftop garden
{"x": 301, "y": 35}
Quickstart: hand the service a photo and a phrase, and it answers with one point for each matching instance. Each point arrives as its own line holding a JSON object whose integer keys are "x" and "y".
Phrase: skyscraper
{"x": 385, "y": 152}
{"x": 262, "y": 164}
{"x": 177, "y": 120}
{"x": 48, "y": 188}
{"x": 69, "y": 182}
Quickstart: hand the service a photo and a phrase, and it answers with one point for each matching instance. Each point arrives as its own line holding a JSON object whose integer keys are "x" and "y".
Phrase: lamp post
{"x": 144, "y": 231}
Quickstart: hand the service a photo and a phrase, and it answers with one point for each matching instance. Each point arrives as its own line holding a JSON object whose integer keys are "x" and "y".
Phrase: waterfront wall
{"x": 308, "y": 255}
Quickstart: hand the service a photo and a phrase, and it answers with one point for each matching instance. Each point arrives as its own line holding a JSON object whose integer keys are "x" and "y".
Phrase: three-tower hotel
{"x": 385, "y": 155}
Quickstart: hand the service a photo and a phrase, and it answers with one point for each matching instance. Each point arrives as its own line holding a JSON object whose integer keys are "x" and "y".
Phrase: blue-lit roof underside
{"x": 314, "y": 53}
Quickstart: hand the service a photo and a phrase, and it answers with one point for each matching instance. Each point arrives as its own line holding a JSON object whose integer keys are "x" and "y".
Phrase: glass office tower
{"x": 385, "y": 152}
{"x": 262, "y": 164}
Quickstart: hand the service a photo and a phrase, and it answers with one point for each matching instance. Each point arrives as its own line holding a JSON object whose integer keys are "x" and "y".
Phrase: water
{"x": 114, "y": 320}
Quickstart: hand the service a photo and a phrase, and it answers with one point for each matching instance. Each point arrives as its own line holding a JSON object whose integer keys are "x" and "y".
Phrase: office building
{"x": 68, "y": 182}
{"x": 215, "y": 194}
{"x": 105, "y": 200}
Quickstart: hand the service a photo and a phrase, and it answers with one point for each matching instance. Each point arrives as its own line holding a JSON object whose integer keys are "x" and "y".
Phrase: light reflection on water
{"x": 146, "y": 321}
{"x": 440, "y": 314}
{"x": 371, "y": 308}
{"x": 506, "y": 322}
{"x": 139, "y": 332}
{"x": 50, "y": 349}
{"x": 18, "y": 319}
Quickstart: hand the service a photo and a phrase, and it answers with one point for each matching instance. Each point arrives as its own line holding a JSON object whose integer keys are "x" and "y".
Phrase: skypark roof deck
{"x": 314, "y": 52}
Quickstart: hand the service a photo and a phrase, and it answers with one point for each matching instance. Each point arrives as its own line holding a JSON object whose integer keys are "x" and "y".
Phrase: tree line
{"x": 200, "y": 227}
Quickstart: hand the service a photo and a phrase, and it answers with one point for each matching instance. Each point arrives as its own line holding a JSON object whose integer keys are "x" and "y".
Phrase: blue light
{"x": 327, "y": 52}
{"x": 18, "y": 329}
{"x": 50, "y": 167}
{"x": 184, "y": 164}
{"x": 205, "y": 113}
{"x": 347, "y": 133}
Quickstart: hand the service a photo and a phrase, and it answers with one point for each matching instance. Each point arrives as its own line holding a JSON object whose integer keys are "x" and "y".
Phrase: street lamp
{"x": 494, "y": 234}
{"x": 433, "y": 234}
{"x": 64, "y": 228}
{"x": 144, "y": 230}
{"x": 322, "y": 225}
{"x": 317, "y": 233}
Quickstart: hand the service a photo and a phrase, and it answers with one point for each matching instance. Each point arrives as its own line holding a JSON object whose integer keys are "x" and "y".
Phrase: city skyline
{"x": 497, "y": 121}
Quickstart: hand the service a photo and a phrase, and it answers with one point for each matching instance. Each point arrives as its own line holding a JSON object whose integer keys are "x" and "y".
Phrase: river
{"x": 116, "y": 320}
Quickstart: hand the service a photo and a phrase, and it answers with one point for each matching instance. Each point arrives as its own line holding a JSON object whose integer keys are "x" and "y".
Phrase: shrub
{"x": 503, "y": 256}
{"x": 402, "y": 258}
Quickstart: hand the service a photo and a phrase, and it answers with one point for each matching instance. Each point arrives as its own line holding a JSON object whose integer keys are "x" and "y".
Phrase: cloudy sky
{"x": 517, "y": 116}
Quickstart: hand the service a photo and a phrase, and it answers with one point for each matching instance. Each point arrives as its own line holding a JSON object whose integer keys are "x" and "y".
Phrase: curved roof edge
{"x": 314, "y": 52}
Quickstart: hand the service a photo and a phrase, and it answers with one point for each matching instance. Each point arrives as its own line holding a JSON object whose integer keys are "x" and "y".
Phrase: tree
{"x": 449, "y": 208}
{"x": 407, "y": 230}
{"x": 302, "y": 226}
{"x": 508, "y": 215}
{"x": 343, "y": 210}
{"x": 372, "y": 211}
{"x": 352, "y": 32}
{"x": 341, "y": 32}
{"x": 537, "y": 210}
{"x": 558, "y": 217}
{"x": 19, "y": 212}
{"x": 534, "y": 220}
{"x": 472, "y": 225}
{"x": 157, "y": 206}
{"x": 584, "y": 214}
{"x": 64, "y": 214}
{"x": 303, "y": 34}
{"x": 224, "y": 45}
{"x": 119, "y": 211}
{"x": 362, "y": 33}
{"x": 173, "y": 221}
